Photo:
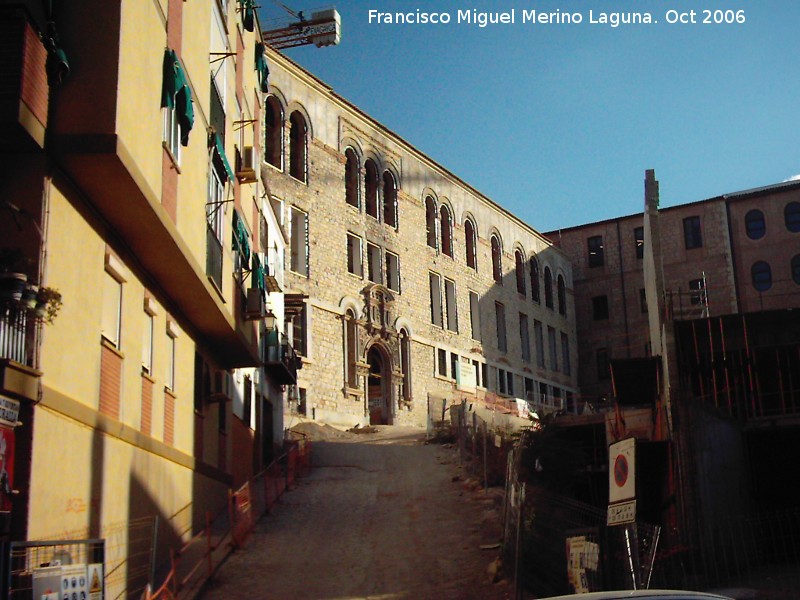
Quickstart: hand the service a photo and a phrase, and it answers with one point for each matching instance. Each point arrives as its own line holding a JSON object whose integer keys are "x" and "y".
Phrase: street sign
{"x": 622, "y": 471}
{"x": 621, "y": 513}
{"x": 622, "y": 482}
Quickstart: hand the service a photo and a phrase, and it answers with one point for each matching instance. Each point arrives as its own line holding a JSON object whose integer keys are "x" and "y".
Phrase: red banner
{"x": 6, "y": 466}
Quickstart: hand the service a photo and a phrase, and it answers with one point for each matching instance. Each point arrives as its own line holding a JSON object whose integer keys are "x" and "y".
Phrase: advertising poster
{"x": 6, "y": 466}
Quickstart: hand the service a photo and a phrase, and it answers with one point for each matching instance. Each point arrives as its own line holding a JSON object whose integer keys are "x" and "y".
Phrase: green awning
{"x": 176, "y": 94}
{"x": 219, "y": 155}
{"x": 241, "y": 239}
{"x": 258, "y": 273}
{"x": 248, "y": 14}
{"x": 261, "y": 67}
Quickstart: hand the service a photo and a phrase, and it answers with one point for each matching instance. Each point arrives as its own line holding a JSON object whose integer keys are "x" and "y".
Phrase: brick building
{"x": 405, "y": 283}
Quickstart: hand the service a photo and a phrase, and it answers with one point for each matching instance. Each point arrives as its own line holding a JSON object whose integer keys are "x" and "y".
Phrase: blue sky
{"x": 558, "y": 122}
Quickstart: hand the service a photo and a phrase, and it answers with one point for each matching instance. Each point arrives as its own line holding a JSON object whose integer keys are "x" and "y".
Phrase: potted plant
{"x": 30, "y": 296}
{"x": 13, "y": 264}
{"x": 48, "y": 303}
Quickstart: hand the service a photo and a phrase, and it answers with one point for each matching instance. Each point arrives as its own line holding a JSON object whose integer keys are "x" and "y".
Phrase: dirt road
{"x": 380, "y": 517}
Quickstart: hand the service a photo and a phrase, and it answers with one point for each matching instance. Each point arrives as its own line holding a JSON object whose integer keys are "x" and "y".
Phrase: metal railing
{"x": 17, "y": 331}
{"x": 213, "y": 257}
{"x": 195, "y": 563}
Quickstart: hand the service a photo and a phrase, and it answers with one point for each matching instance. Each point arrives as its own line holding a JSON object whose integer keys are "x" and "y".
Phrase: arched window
{"x": 405, "y": 364}
{"x": 298, "y": 146}
{"x": 761, "y": 275}
{"x": 754, "y": 224}
{"x": 472, "y": 244}
{"x": 273, "y": 132}
{"x": 561, "y": 290}
{"x": 371, "y": 187}
{"x": 389, "y": 199}
{"x": 796, "y": 269}
{"x": 351, "y": 177}
{"x": 534, "y": 269}
{"x": 519, "y": 267}
{"x": 497, "y": 259}
{"x": 791, "y": 215}
{"x": 446, "y": 224}
{"x": 351, "y": 349}
{"x": 430, "y": 221}
{"x": 548, "y": 288}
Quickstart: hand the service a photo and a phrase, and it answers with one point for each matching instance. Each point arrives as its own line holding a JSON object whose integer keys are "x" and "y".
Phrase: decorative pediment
{"x": 379, "y": 310}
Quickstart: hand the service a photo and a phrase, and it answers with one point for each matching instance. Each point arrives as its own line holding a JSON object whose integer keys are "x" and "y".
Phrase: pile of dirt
{"x": 321, "y": 433}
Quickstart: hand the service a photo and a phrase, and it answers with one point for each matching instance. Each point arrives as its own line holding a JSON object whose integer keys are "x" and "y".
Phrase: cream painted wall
{"x": 70, "y": 355}
{"x": 141, "y": 60}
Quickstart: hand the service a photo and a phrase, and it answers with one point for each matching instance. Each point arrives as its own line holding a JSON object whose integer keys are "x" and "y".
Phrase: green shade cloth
{"x": 261, "y": 67}
{"x": 248, "y": 14}
{"x": 241, "y": 239}
{"x": 258, "y": 273}
{"x": 219, "y": 155}
{"x": 176, "y": 94}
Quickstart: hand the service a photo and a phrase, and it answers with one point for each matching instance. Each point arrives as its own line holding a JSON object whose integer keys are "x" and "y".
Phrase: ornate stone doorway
{"x": 379, "y": 391}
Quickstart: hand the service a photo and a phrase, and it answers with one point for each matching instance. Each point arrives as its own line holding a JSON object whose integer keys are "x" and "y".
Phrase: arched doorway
{"x": 379, "y": 388}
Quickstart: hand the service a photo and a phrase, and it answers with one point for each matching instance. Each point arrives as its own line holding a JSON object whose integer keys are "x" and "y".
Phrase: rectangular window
{"x": 600, "y": 308}
{"x": 247, "y": 401}
{"x": 354, "y": 261}
{"x": 501, "y": 381}
{"x": 172, "y": 132}
{"x": 298, "y": 327}
{"x": 692, "y": 234}
{"x": 299, "y": 258}
{"x": 474, "y": 316}
{"x": 638, "y": 240}
{"x": 112, "y": 309}
{"x": 171, "y": 335}
{"x": 147, "y": 344}
{"x": 452, "y": 307}
{"x": 565, "y": 354}
{"x": 500, "y": 319}
{"x": 484, "y": 374}
{"x": 543, "y": 394}
{"x": 374, "y": 273}
{"x": 595, "y": 246}
{"x": 697, "y": 286}
{"x": 538, "y": 333}
{"x": 454, "y": 374}
{"x": 442, "y": 362}
{"x": 510, "y": 383}
{"x": 478, "y": 372}
{"x": 524, "y": 337}
{"x": 529, "y": 390}
{"x": 551, "y": 338}
{"x": 603, "y": 366}
{"x": 436, "y": 299}
{"x": 393, "y": 272}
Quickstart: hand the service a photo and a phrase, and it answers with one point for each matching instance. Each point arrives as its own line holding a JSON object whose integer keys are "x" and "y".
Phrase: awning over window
{"x": 218, "y": 148}
{"x": 261, "y": 67}
{"x": 248, "y": 14}
{"x": 258, "y": 273}
{"x": 176, "y": 94}
{"x": 241, "y": 239}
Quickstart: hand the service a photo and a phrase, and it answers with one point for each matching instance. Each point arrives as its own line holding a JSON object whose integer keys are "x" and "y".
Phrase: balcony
{"x": 19, "y": 377}
{"x": 25, "y": 93}
{"x": 281, "y": 362}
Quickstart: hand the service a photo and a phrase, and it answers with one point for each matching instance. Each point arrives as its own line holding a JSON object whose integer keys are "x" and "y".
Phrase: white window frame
{"x": 355, "y": 255}
{"x": 393, "y": 272}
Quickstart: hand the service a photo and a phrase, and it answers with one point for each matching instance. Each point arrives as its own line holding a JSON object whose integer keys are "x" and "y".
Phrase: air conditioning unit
{"x": 254, "y": 308}
{"x": 247, "y": 168}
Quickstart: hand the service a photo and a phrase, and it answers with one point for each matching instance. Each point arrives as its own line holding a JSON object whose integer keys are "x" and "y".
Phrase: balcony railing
{"x": 280, "y": 360}
{"x": 213, "y": 257}
{"x": 17, "y": 334}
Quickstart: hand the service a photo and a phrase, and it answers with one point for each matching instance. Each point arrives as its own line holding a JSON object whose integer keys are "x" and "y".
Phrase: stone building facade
{"x": 405, "y": 283}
